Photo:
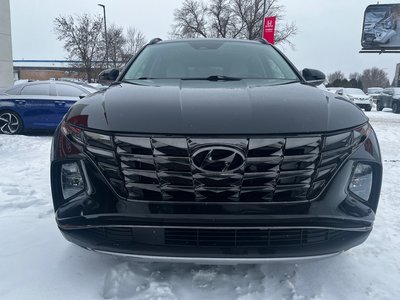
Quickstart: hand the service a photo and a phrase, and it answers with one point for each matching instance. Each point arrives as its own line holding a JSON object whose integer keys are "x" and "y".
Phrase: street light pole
{"x": 263, "y": 17}
{"x": 105, "y": 31}
{"x": 264, "y": 8}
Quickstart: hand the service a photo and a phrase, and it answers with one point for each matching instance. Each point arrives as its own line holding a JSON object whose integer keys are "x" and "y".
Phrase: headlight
{"x": 360, "y": 134}
{"x": 72, "y": 132}
{"x": 71, "y": 180}
{"x": 361, "y": 181}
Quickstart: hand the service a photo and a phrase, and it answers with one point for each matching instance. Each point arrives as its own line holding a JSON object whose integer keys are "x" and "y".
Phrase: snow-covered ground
{"x": 37, "y": 263}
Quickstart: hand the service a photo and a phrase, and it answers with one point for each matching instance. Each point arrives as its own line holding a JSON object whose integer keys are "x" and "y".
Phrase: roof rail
{"x": 262, "y": 41}
{"x": 155, "y": 41}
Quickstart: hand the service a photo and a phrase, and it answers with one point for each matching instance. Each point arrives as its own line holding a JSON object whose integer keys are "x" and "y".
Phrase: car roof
{"x": 200, "y": 40}
{"x": 83, "y": 86}
{"x": 51, "y": 82}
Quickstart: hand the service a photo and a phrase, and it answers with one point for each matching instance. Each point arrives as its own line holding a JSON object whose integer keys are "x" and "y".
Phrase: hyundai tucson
{"x": 215, "y": 150}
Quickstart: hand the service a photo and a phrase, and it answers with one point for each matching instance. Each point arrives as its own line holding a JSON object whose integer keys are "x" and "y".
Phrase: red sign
{"x": 269, "y": 29}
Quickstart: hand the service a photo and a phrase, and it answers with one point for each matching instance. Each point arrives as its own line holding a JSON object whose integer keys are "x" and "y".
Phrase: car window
{"x": 69, "y": 90}
{"x": 387, "y": 91}
{"x": 36, "y": 89}
{"x": 13, "y": 91}
{"x": 374, "y": 91}
{"x": 199, "y": 59}
{"x": 354, "y": 91}
{"x": 396, "y": 91}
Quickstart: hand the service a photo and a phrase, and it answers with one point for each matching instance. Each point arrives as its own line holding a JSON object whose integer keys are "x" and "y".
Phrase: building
{"x": 6, "y": 64}
{"x": 45, "y": 70}
{"x": 51, "y": 69}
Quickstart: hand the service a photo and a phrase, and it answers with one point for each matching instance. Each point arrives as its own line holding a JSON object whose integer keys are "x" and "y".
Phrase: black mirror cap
{"x": 314, "y": 77}
{"x": 108, "y": 76}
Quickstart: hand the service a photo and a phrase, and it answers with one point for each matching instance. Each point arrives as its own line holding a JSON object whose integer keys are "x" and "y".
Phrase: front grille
{"x": 245, "y": 238}
{"x": 283, "y": 169}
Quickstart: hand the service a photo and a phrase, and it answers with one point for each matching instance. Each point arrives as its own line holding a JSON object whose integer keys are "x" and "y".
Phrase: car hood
{"x": 184, "y": 107}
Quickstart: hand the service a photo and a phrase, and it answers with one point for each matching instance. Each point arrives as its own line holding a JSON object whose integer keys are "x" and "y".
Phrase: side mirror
{"x": 313, "y": 77}
{"x": 340, "y": 92}
{"x": 108, "y": 76}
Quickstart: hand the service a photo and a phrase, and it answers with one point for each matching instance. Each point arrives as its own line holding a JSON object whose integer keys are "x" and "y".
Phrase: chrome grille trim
{"x": 276, "y": 170}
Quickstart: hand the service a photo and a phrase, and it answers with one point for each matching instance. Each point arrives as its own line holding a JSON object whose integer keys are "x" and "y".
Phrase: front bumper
{"x": 220, "y": 232}
{"x": 157, "y": 244}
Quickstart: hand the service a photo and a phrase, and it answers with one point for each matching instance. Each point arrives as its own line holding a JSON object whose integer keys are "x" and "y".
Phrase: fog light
{"x": 71, "y": 180}
{"x": 361, "y": 182}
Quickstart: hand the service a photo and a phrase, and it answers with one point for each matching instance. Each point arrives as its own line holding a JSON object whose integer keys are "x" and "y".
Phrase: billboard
{"x": 381, "y": 27}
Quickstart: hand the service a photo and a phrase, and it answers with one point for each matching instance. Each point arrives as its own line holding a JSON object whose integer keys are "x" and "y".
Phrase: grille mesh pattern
{"x": 249, "y": 237}
{"x": 275, "y": 169}
{"x": 272, "y": 238}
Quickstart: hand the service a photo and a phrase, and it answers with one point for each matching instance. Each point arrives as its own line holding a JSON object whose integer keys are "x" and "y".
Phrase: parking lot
{"x": 37, "y": 263}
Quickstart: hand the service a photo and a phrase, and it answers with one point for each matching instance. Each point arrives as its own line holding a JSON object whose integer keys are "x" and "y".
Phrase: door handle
{"x": 60, "y": 103}
{"x": 22, "y": 102}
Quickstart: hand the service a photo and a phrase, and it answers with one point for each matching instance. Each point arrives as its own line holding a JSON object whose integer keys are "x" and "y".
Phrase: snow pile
{"x": 37, "y": 263}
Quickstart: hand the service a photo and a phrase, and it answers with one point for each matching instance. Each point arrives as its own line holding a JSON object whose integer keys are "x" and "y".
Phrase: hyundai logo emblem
{"x": 218, "y": 159}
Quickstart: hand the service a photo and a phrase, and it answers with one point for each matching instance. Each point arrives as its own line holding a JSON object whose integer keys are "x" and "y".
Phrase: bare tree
{"x": 337, "y": 75}
{"x": 230, "y": 19}
{"x": 116, "y": 43}
{"x": 374, "y": 77}
{"x": 355, "y": 76}
{"x": 82, "y": 39}
{"x": 223, "y": 22}
{"x": 135, "y": 40}
{"x": 191, "y": 20}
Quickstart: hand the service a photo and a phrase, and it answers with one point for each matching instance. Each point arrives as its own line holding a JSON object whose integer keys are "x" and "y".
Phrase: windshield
{"x": 354, "y": 91}
{"x": 374, "y": 90}
{"x": 201, "y": 59}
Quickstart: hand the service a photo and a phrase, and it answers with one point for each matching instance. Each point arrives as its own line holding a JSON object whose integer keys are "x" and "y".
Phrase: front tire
{"x": 10, "y": 122}
{"x": 379, "y": 106}
{"x": 395, "y": 108}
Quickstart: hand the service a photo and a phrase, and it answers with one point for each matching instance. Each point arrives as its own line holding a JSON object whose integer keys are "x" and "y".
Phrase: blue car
{"x": 38, "y": 105}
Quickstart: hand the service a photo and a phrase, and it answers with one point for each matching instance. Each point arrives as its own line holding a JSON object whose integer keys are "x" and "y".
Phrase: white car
{"x": 357, "y": 96}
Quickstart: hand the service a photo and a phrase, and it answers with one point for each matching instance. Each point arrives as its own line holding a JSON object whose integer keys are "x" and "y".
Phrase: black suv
{"x": 215, "y": 150}
{"x": 389, "y": 98}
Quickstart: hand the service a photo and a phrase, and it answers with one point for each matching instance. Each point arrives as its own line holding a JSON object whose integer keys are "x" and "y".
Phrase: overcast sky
{"x": 329, "y": 31}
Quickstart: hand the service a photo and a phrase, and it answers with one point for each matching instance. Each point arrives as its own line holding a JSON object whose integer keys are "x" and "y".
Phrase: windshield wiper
{"x": 146, "y": 78}
{"x": 209, "y": 78}
{"x": 214, "y": 78}
{"x": 122, "y": 81}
